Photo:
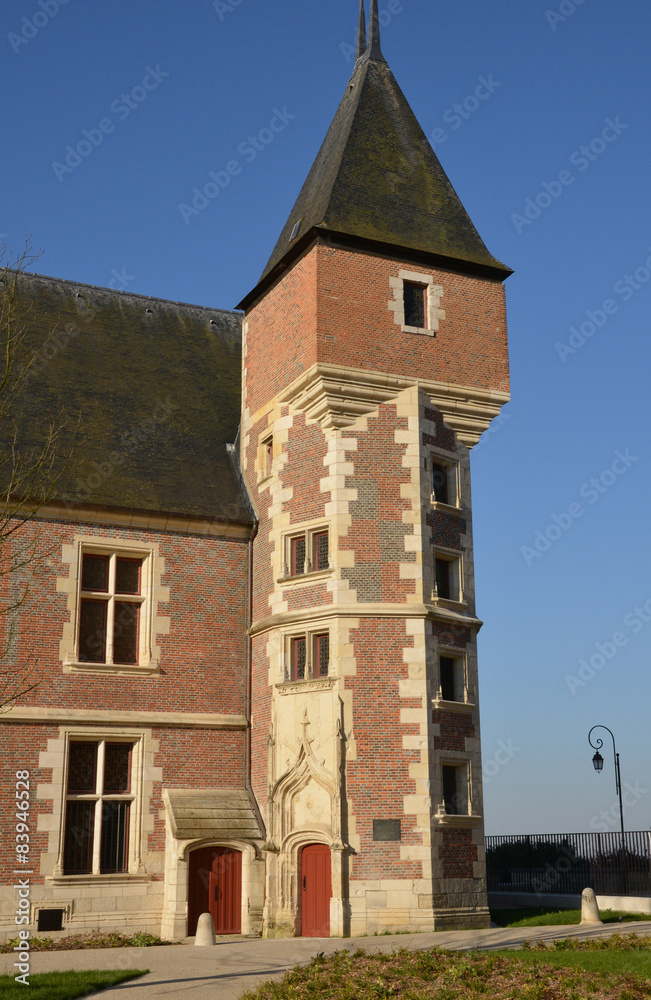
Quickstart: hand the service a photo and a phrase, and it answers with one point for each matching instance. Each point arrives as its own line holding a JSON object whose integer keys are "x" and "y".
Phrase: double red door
{"x": 316, "y": 890}
{"x": 215, "y": 887}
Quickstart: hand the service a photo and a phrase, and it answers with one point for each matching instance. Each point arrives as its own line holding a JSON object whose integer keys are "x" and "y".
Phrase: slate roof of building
{"x": 377, "y": 178}
{"x": 150, "y": 393}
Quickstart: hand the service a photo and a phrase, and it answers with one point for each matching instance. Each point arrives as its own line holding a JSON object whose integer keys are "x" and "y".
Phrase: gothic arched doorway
{"x": 316, "y": 890}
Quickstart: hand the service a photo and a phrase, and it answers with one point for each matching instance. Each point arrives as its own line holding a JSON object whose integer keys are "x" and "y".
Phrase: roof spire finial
{"x": 374, "y": 51}
{"x": 361, "y": 31}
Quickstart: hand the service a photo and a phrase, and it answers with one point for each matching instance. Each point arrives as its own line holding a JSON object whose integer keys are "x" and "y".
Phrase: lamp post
{"x": 598, "y": 764}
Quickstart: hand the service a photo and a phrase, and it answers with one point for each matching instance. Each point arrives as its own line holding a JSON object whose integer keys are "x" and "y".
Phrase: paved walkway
{"x": 225, "y": 971}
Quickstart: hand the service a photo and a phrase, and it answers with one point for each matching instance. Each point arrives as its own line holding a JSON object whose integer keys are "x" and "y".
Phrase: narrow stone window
{"x": 267, "y": 455}
{"x": 446, "y": 666}
{"x": 443, "y": 583}
{"x": 321, "y": 655}
{"x": 455, "y": 789}
{"x": 298, "y": 556}
{"x": 320, "y": 559}
{"x": 299, "y": 658}
{"x": 415, "y": 302}
{"x": 441, "y": 483}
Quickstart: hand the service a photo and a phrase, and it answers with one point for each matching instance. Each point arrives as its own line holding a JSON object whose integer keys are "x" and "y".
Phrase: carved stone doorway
{"x": 316, "y": 890}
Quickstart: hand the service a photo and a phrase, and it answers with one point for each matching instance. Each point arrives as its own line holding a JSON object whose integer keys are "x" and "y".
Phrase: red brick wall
{"x": 455, "y": 730}
{"x": 458, "y": 853}
{"x": 356, "y": 329}
{"x": 305, "y": 449}
{"x": 378, "y": 779}
{"x": 281, "y": 335}
{"x": 194, "y": 758}
{"x": 202, "y": 658}
{"x": 20, "y": 746}
{"x": 377, "y": 534}
{"x": 332, "y": 306}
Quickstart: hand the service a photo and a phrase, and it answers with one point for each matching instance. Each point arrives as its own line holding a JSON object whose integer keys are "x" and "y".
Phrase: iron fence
{"x": 569, "y": 862}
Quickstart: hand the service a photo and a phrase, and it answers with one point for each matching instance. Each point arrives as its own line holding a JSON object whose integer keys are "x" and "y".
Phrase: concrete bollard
{"x": 205, "y": 930}
{"x": 589, "y": 908}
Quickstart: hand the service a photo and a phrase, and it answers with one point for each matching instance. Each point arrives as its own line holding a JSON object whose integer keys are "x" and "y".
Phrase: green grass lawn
{"x": 613, "y": 970}
{"x": 545, "y": 916}
{"x": 64, "y": 985}
{"x": 620, "y": 962}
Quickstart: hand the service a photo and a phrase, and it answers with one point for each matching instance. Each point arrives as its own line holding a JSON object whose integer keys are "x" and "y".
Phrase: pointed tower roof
{"x": 361, "y": 31}
{"x": 376, "y": 183}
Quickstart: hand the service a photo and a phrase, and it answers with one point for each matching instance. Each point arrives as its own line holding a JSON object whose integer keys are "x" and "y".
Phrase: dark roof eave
{"x": 346, "y": 240}
{"x": 78, "y": 507}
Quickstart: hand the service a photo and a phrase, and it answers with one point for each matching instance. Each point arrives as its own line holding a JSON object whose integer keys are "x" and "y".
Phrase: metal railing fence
{"x": 569, "y": 862}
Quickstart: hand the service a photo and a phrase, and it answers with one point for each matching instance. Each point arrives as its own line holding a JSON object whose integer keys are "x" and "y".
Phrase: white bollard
{"x": 589, "y": 908}
{"x": 205, "y": 930}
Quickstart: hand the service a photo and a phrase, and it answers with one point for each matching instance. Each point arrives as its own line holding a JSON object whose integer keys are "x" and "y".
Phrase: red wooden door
{"x": 316, "y": 890}
{"x": 215, "y": 886}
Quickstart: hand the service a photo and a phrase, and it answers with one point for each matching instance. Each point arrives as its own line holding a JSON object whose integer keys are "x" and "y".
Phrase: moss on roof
{"x": 150, "y": 390}
{"x": 377, "y": 178}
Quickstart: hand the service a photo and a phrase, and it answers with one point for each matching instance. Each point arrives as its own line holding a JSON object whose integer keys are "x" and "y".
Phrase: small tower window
{"x": 320, "y": 551}
{"x": 415, "y": 301}
{"x": 443, "y": 587}
{"x": 440, "y": 483}
{"x": 299, "y": 658}
{"x": 455, "y": 789}
{"x": 298, "y": 556}
{"x": 321, "y": 655}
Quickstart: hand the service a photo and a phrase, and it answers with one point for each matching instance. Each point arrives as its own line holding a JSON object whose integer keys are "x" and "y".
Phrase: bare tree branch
{"x": 29, "y": 473}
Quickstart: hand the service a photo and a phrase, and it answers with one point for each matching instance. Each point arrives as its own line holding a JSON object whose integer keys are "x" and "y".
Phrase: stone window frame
{"x": 451, "y": 758}
{"x": 310, "y": 634}
{"x": 96, "y": 798}
{"x": 461, "y": 770}
{"x": 87, "y": 734}
{"x": 455, "y": 557}
{"x": 151, "y": 624}
{"x": 438, "y": 456}
{"x": 460, "y": 655}
{"x": 308, "y": 530}
{"x": 434, "y": 294}
{"x": 265, "y": 456}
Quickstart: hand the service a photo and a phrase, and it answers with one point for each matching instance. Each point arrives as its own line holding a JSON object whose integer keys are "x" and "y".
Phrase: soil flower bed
{"x": 76, "y": 942}
{"x": 445, "y": 975}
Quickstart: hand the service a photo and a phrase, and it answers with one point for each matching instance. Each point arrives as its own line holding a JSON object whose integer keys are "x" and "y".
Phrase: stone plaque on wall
{"x": 386, "y": 829}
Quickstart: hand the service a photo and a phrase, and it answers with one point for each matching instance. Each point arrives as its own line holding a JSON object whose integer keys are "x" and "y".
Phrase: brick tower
{"x": 375, "y": 354}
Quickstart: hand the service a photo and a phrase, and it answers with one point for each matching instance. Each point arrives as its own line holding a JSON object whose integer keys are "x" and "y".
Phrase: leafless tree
{"x": 29, "y": 471}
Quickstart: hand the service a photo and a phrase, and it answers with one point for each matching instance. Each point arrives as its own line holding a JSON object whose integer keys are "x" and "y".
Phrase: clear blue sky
{"x": 558, "y": 80}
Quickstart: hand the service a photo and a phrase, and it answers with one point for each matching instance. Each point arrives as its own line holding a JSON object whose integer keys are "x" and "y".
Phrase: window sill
{"x": 112, "y": 669}
{"x": 457, "y": 821}
{"x": 317, "y": 574}
{"x": 442, "y": 705}
{"x": 445, "y": 602}
{"x": 419, "y": 330}
{"x": 446, "y": 508}
{"x": 116, "y": 879}
{"x": 309, "y": 684}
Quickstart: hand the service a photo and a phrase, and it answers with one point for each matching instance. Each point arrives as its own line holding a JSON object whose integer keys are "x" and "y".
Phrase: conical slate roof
{"x": 376, "y": 178}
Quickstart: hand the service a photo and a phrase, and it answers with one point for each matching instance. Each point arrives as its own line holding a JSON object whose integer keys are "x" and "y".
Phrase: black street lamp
{"x": 598, "y": 764}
